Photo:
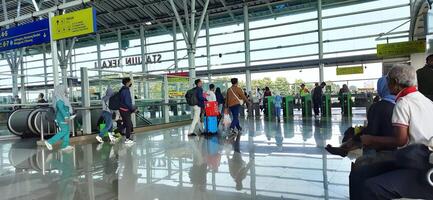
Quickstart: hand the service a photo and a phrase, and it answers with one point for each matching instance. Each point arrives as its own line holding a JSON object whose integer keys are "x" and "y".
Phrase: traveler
{"x": 235, "y": 99}
{"x": 267, "y": 93}
{"x": 107, "y": 115}
{"x": 126, "y": 109}
{"x": 259, "y": 96}
{"x": 425, "y": 81}
{"x": 399, "y": 178}
{"x": 379, "y": 124}
{"x": 255, "y": 99}
{"x": 41, "y": 98}
{"x": 303, "y": 90}
{"x": 317, "y": 98}
{"x": 63, "y": 110}
{"x": 210, "y": 94}
{"x": 220, "y": 99}
{"x": 198, "y": 106}
{"x": 343, "y": 90}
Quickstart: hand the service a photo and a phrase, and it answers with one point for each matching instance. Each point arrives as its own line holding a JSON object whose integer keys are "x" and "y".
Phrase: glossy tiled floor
{"x": 271, "y": 160}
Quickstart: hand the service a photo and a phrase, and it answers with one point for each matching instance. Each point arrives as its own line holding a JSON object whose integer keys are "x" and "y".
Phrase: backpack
{"x": 114, "y": 101}
{"x": 191, "y": 98}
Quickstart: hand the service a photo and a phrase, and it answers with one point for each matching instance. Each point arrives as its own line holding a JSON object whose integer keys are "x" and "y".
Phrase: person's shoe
{"x": 48, "y": 145}
{"x": 129, "y": 142}
{"x": 99, "y": 139}
{"x": 336, "y": 150}
{"x": 192, "y": 135}
{"x": 68, "y": 149}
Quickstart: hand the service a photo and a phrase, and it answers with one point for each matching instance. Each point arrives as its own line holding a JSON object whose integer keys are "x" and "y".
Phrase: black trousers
{"x": 126, "y": 123}
{"x": 317, "y": 105}
{"x": 390, "y": 180}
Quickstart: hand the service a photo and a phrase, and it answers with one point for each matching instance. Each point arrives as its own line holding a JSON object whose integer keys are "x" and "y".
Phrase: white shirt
{"x": 210, "y": 96}
{"x": 416, "y": 112}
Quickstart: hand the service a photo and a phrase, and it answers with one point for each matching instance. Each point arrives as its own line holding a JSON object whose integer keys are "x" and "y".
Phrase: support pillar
{"x": 22, "y": 77}
{"x": 247, "y": 48}
{"x": 209, "y": 75}
{"x": 133, "y": 117}
{"x": 144, "y": 67}
{"x": 166, "y": 100}
{"x": 54, "y": 55}
{"x": 44, "y": 56}
{"x": 85, "y": 98}
{"x": 320, "y": 35}
{"x": 63, "y": 63}
{"x": 98, "y": 60}
{"x": 176, "y": 66}
{"x": 190, "y": 35}
{"x": 119, "y": 41}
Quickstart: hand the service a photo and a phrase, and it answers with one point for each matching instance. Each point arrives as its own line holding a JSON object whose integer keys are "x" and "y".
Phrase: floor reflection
{"x": 270, "y": 160}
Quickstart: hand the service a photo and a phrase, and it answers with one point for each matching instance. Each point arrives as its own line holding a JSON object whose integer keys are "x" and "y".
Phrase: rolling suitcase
{"x": 211, "y": 125}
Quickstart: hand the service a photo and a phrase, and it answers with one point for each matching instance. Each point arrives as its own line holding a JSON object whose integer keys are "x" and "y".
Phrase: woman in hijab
{"x": 63, "y": 110}
{"x": 379, "y": 122}
{"x": 107, "y": 116}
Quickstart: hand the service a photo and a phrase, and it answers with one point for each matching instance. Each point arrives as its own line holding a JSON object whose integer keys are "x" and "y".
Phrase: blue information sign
{"x": 34, "y": 33}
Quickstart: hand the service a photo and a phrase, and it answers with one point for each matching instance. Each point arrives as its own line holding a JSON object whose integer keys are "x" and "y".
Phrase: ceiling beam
{"x": 148, "y": 13}
{"x": 115, "y": 15}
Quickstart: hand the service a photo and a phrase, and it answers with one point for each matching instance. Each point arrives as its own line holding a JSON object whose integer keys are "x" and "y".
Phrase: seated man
{"x": 379, "y": 122}
{"x": 412, "y": 122}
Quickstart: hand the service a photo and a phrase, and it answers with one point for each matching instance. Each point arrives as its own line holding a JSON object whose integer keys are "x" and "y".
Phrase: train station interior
{"x": 216, "y": 99}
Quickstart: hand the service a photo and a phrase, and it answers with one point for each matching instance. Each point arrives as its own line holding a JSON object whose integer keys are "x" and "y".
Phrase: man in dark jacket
{"x": 317, "y": 98}
{"x": 198, "y": 109}
{"x": 126, "y": 108}
{"x": 425, "y": 80}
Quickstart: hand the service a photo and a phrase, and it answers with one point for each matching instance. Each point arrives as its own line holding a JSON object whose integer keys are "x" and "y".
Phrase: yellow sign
{"x": 73, "y": 24}
{"x": 400, "y": 49}
{"x": 350, "y": 70}
{"x": 176, "y": 94}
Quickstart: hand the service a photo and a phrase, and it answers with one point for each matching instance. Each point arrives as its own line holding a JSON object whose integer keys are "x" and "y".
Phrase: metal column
{"x": 320, "y": 35}
{"x": 119, "y": 41}
{"x": 144, "y": 67}
{"x": 63, "y": 62}
{"x": 98, "y": 60}
{"x": 54, "y": 55}
{"x": 209, "y": 75}
{"x": 192, "y": 36}
{"x": 133, "y": 117}
{"x": 23, "y": 87}
{"x": 44, "y": 46}
{"x": 176, "y": 66}
{"x": 85, "y": 100}
{"x": 166, "y": 101}
{"x": 247, "y": 48}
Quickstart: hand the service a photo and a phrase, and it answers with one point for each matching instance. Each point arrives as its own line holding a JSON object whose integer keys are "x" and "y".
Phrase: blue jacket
{"x": 200, "y": 98}
{"x": 125, "y": 99}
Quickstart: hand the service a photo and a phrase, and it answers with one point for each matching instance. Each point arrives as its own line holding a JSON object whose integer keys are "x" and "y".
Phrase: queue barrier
{"x": 306, "y": 106}
{"x": 288, "y": 106}
{"x": 326, "y": 105}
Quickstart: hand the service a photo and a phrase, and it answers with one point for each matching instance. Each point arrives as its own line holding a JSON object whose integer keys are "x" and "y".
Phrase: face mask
{"x": 130, "y": 85}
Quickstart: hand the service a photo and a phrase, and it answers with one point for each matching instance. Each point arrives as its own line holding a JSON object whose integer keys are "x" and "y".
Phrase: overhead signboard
{"x": 74, "y": 24}
{"x": 33, "y": 33}
{"x": 400, "y": 49}
{"x": 350, "y": 70}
